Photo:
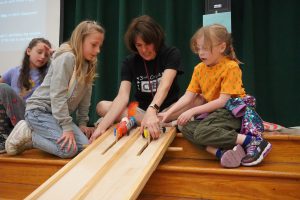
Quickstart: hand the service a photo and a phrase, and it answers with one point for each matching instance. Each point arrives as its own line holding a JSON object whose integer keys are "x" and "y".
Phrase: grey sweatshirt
{"x": 53, "y": 95}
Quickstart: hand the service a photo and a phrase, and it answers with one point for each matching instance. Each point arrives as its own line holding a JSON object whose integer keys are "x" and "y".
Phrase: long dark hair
{"x": 24, "y": 78}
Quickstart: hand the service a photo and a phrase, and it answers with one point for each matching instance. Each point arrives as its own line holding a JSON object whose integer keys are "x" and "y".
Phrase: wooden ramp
{"x": 107, "y": 169}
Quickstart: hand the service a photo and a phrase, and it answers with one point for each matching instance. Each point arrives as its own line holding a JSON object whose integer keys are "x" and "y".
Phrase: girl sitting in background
{"x": 18, "y": 83}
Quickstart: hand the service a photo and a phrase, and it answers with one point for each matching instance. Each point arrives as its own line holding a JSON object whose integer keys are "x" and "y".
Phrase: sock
{"x": 219, "y": 153}
{"x": 247, "y": 140}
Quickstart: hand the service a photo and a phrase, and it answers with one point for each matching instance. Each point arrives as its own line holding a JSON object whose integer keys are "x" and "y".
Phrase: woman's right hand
{"x": 151, "y": 122}
{"x": 68, "y": 139}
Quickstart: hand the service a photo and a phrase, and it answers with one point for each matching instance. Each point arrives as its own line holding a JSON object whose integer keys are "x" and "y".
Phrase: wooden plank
{"x": 132, "y": 171}
{"x": 15, "y": 191}
{"x": 206, "y": 179}
{"x": 162, "y": 197}
{"x": 275, "y": 170}
{"x": 51, "y": 181}
{"x": 284, "y": 149}
{"x": 220, "y": 186}
{"x": 34, "y": 156}
{"x": 115, "y": 155}
{"x": 102, "y": 170}
{"x": 26, "y": 174}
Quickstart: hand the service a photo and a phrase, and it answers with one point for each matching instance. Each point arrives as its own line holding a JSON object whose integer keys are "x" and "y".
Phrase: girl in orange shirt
{"x": 215, "y": 81}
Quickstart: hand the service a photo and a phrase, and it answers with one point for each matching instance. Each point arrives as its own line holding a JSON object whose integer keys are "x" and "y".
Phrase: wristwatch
{"x": 156, "y": 107}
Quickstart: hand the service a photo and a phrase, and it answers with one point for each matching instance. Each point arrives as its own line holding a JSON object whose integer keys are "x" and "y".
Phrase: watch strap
{"x": 156, "y": 107}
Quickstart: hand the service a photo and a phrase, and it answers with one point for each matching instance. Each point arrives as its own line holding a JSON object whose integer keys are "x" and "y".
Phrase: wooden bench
{"x": 188, "y": 174}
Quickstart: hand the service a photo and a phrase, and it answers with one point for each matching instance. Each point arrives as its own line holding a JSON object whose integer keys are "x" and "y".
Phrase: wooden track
{"x": 107, "y": 169}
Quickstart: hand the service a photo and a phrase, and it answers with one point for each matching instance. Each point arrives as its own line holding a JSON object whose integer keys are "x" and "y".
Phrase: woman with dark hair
{"x": 18, "y": 83}
{"x": 152, "y": 68}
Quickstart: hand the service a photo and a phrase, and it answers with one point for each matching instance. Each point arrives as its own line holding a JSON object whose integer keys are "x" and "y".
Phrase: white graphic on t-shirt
{"x": 142, "y": 83}
{"x": 138, "y": 82}
{"x": 145, "y": 87}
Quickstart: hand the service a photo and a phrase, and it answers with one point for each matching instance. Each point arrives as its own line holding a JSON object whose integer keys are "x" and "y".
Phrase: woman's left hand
{"x": 88, "y": 131}
{"x": 151, "y": 122}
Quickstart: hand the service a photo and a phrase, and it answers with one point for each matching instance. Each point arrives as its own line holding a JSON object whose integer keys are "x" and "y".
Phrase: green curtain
{"x": 265, "y": 37}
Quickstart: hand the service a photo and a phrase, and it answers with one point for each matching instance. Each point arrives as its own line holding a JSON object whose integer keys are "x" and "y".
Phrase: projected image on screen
{"x": 22, "y": 20}
{"x": 13, "y": 15}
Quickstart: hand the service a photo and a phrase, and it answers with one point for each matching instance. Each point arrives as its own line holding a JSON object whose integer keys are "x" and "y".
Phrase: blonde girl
{"x": 215, "y": 81}
{"x": 66, "y": 88}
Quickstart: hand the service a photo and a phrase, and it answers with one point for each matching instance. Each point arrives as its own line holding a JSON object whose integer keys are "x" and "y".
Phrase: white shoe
{"x": 18, "y": 139}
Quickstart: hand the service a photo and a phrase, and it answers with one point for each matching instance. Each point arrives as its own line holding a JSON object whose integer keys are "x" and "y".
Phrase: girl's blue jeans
{"x": 46, "y": 131}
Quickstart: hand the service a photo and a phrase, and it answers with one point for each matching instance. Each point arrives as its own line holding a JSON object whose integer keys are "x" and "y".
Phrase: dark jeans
{"x": 219, "y": 129}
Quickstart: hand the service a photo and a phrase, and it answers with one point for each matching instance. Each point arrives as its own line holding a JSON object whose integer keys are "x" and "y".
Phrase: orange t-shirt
{"x": 224, "y": 77}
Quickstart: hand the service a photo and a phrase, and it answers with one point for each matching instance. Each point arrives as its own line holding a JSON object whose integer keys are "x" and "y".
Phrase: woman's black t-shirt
{"x": 146, "y": 75}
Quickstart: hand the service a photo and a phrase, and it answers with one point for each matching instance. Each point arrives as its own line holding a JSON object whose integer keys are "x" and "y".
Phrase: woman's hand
{"x": 88, "y": 131}
{"x": 68, "y": 139}
{"x": 185, "y": 117}
{"x": 151, "y": 122}
{"x": 98, "y": 132}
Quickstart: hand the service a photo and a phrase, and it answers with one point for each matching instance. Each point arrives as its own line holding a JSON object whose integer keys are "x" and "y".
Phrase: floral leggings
{"x": 12, "y": 109}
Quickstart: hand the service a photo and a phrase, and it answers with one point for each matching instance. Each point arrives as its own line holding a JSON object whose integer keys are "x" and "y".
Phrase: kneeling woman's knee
{"x": 101, "y": 108}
